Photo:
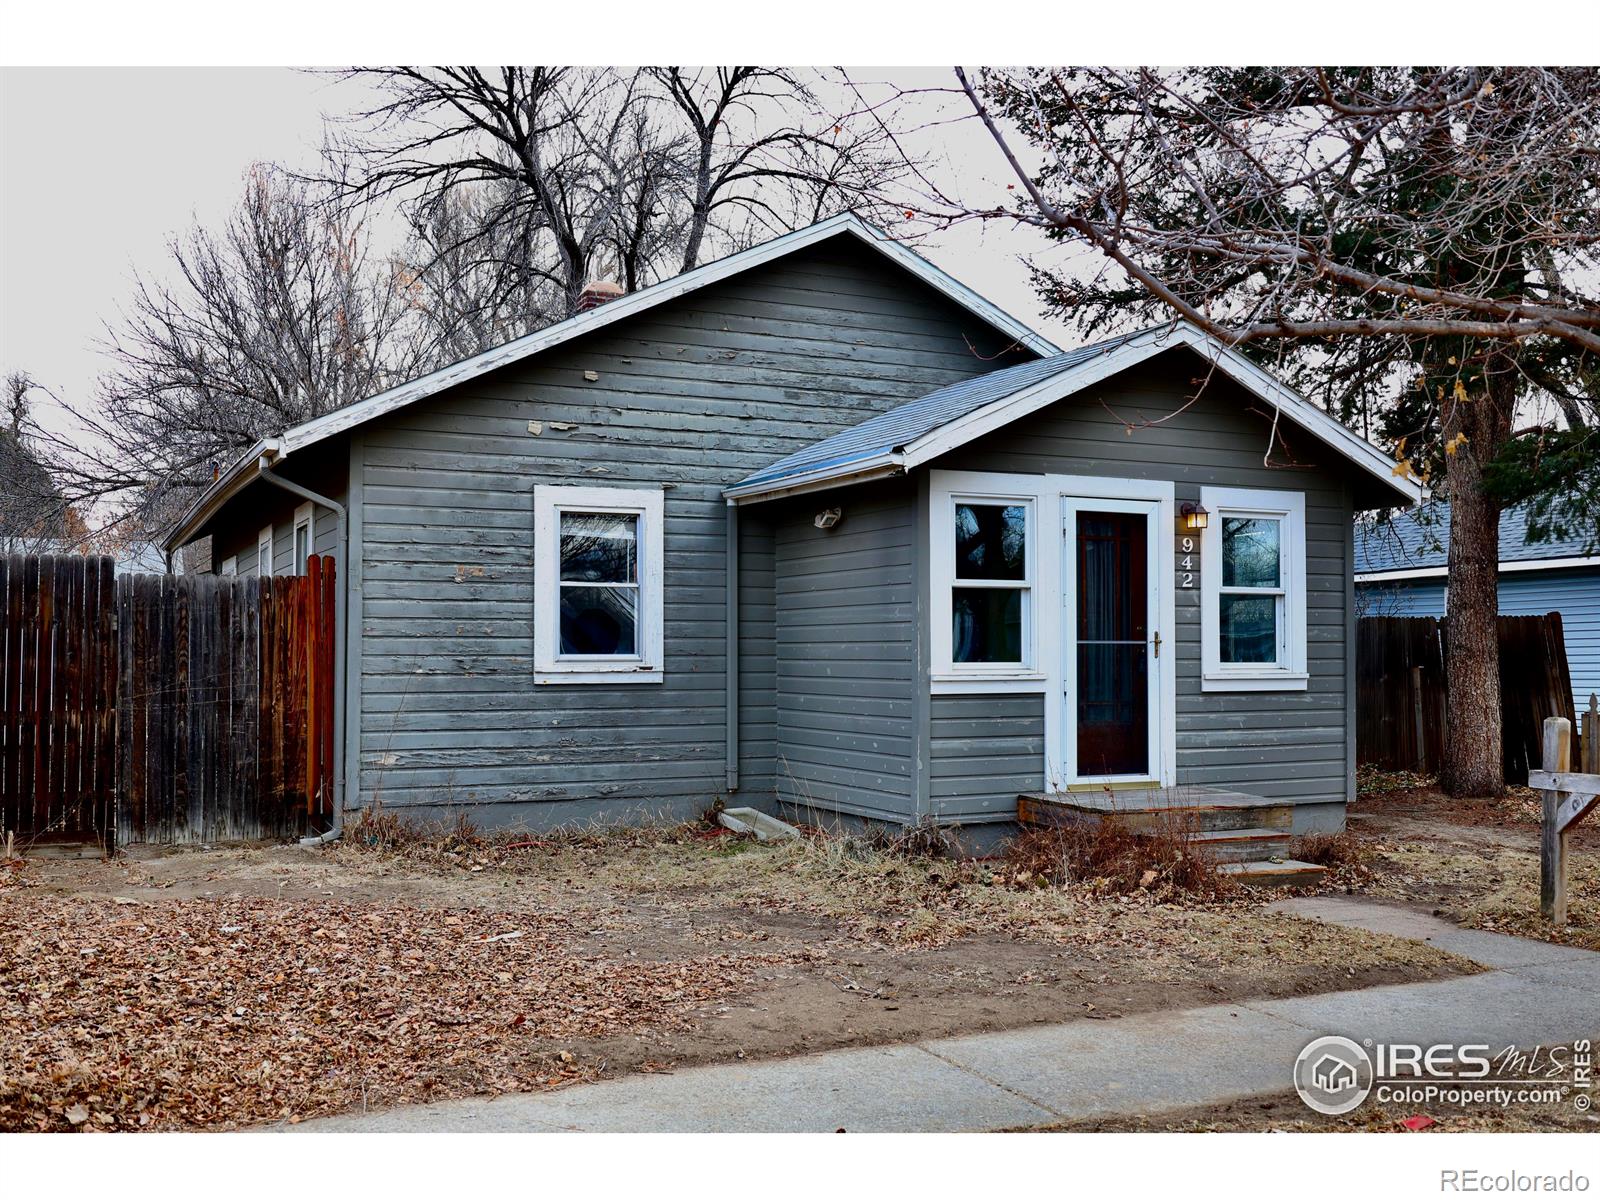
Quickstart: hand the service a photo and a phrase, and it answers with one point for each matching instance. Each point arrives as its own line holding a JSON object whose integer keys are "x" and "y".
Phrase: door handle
{"x": 1157, "y": 639}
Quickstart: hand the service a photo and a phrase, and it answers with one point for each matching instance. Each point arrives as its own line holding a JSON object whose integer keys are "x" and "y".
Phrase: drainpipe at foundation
{"x": 732, "y": 620}
{"x": 342, "y": 538}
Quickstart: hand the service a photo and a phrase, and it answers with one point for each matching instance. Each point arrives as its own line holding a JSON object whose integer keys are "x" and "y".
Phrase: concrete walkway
{"x": 1534, "y": 993}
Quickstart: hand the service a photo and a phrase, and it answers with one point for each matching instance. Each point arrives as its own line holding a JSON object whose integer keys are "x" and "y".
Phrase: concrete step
{"x": 1289, "y": 872}
{"x": 1251, "y": 843}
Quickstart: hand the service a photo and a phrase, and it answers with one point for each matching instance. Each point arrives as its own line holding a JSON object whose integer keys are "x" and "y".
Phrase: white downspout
{"x": 339, "y": 635}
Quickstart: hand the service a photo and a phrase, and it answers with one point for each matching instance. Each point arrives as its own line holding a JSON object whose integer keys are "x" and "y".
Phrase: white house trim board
{"x": 1137, "y": 349}
{"x": 550, "y": 665}
{"x": 1044, "y": 674}
{"x": 1506, "y": 568}
{"x": 1290, "y": 672}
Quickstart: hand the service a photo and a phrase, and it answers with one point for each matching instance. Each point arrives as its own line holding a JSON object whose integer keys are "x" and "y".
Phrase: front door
{"x": 1113, "y": 652}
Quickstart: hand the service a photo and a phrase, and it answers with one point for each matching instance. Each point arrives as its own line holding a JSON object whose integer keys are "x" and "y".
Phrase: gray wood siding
{"x": 985, "y": 750}
{"x": 1282, "y": 744}
{"x": 692, "y": 395}
{"x": 845, "y": 636}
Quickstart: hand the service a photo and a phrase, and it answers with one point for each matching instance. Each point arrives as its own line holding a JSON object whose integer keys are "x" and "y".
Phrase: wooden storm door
{"x": 1113, "y": 652}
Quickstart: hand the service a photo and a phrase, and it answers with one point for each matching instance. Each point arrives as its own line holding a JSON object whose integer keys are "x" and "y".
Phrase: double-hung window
{"x": 597, "y": 582}
{"x": 303, "y": 518}
{"x": 1253, "y": 577}
{"x": 984, "y": 560}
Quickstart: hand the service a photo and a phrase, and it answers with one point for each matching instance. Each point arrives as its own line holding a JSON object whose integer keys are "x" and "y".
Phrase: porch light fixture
{"x": 828, "y": 518}
{"x": 1192, "y": 516}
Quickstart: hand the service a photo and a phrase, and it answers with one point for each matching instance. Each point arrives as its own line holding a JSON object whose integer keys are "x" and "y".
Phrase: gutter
{"x": 732, "y": 656}
{"x": 882, "y": 466}
{"x": 340, "y": 633}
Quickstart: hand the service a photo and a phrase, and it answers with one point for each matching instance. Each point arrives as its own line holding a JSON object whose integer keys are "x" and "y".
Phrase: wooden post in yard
{"x": 1589, "y": 760}
{"x": 1552, "y": 838}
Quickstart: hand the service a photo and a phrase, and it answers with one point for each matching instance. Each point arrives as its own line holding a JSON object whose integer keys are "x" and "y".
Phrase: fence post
{"x": 1552, "y": 839}
{"x": 1590, "y": 758}
{"x": 1418, "y": 724}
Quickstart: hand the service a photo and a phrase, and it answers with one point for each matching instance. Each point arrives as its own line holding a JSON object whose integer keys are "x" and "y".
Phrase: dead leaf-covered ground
{"x": 1473, "y": 861}
{"x": 233, "y": 987}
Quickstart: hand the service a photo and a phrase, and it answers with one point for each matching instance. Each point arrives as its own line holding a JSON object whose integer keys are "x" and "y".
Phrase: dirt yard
{"x": 1471, "y": 861}
{"x": 232, "y": 987}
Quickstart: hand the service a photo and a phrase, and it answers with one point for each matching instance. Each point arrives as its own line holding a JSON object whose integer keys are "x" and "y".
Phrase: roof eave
{"x": 229, "y": 484}
{"x": 881, "y": 466}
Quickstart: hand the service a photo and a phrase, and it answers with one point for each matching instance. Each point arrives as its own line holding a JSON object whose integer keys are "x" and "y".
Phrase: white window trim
{"x": 304, "y": 518}
{"x": 1048, "y": 493}
{"x": 264, "y": 551}
{"x": 1290, "y": 674}
{"x": 230, "y": 565}
{"x": 946, "y": 490}
{"x": 549, "y": 666}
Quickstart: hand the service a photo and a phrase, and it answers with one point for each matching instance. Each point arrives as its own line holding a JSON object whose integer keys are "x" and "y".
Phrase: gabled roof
{"x": 920, "y": 430}
{"x": 300, "y": 436}
{"x": 1415, "y": 545}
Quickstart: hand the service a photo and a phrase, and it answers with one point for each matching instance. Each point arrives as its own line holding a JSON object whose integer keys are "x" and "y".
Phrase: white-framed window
{"x": 264, "y": 551}
{"x": 984, "y": 573}
{"x": 1253, "y": 590}
{"x": 597, "y": 577}
{"x": 230, "y": 565}
{"x": 303, "y": 537}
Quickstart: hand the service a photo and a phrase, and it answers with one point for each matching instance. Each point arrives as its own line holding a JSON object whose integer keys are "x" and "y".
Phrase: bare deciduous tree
{"x": 1419, "y": 242}
{"x": 279, "y": 317}
{"x": 636, "y": 173}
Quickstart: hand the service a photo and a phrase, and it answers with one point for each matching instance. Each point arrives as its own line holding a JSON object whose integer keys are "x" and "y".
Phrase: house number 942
{"x": 1187, "y": 556}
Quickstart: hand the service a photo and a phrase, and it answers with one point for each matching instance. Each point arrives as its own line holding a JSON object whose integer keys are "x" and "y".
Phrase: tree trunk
{"x": 1472, "y": 757}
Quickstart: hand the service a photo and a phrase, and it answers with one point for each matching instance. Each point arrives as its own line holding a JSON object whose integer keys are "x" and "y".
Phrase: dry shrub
{"x": 1344, "y": 854}
{"x": 923, "y": 838}
{"x": 1164, "y": 862}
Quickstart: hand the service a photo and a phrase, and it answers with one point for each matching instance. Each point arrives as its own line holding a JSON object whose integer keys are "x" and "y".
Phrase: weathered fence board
{"x": 54, "y": 782}
{"x": 163, "y": 708}
{"x": 1402, "y": 703}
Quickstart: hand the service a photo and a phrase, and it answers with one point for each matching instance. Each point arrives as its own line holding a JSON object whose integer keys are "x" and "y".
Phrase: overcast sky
{"x": 100, "y": 168}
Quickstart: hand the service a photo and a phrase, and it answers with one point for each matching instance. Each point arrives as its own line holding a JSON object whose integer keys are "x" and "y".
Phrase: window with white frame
{"x": 597, "y": 557}
{"x": 1253, "y": 586}
{"x": 303, "y": 517}
{"x": 230, "y": 565}
{"x": 983, "y": 558}
{"x": 264, "y": 551}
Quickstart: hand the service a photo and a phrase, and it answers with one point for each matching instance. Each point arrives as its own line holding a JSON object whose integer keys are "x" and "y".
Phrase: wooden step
{"x": 1288, "y": 872}
{"x": 1195, "y": 809}
{"x": 1252, "y": 843}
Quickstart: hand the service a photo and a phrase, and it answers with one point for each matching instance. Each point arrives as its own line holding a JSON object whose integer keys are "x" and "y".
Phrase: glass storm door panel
{"x": 1112, "y": 643}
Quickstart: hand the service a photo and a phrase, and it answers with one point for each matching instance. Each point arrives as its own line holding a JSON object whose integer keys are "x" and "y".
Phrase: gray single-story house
{"x": 1402, "y": 571}
{"x": 817, "y": 529}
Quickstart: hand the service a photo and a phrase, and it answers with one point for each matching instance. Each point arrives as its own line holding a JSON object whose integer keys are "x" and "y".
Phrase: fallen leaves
{"x": 236, "y": 1011}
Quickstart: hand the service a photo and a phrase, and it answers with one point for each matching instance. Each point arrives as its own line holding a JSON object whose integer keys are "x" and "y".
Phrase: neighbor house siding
{"x": 986, "y": 750}
{"x": 691, "y": 395}
{"x": 324, "y": 470}
{"x": 846, "y": 671}
{"x": 1143, "y": 424}
{"x": 1574, "y": 594}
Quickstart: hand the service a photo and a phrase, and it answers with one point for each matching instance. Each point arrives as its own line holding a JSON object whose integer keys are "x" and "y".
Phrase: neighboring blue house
{"x": 1401, "y": 572}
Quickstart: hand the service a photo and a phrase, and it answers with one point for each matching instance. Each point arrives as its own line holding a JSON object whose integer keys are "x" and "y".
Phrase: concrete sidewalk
{"x": 1534, "y": 993}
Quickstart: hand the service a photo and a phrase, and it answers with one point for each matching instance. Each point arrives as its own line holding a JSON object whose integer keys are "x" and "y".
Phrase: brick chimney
{"x": 601, "y": 291}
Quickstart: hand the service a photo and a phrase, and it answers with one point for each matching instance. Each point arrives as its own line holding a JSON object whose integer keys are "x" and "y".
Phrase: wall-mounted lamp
{"x": 1192, "y": 516}
{"x": 828, "y": 518}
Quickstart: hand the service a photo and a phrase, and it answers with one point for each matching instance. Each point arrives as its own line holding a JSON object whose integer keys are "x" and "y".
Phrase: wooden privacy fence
{"x": 164, "y": 708}
{"x": 1402, "y": 703}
